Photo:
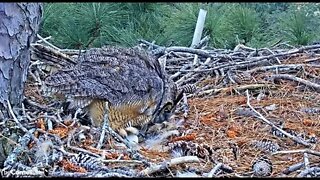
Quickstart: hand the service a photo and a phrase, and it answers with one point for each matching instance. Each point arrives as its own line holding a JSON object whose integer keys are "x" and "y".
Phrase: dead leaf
{"x": 70, "y": 167}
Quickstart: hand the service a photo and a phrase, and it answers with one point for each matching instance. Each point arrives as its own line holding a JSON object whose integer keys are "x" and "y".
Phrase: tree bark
{"x": 19, "y": 24}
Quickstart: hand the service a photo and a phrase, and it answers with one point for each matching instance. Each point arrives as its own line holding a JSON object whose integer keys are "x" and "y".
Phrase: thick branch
{"x": 300, "y": 80}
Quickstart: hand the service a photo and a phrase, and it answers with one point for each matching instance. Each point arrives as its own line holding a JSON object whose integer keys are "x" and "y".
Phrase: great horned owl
{"x": 133, "y": 82}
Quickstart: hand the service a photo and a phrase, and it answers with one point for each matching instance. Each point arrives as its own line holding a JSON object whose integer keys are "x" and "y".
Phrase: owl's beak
{"x": 161, "y": 116}
{"x": 178, "y": 98}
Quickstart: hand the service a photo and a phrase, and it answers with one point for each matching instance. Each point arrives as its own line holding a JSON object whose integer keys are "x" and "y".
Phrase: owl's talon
{"x": 130, "y": 134}
{"x": 132, "y": 130}
{"x": 123, "y": 133}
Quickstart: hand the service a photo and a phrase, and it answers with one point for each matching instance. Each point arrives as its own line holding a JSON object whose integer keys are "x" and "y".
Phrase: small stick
{"x": 180, "y": 81}
{"x": 123, "y": 161}
{"x": 202, "y": 42}
{"x": 82, "y": 150}
{"x": 214, "y": 170}
{"x": 260, "y": 116}
{"x": 112, "y": 174}
{"x": 195, "y": 60}
{"x": 305, "y": 172}
{"x": 49, "y": 44}
{"x": 179, "y": 72}
{"x": 63, "y": 151}
{"x": 243, "y": 47}
{"x": 149, "y": 43}
{"x": 35, "y": 78}
{"x": 50, "y": 126}
{"x": 277, "y": 67}
{"x": 57, "y": 138}
{"x": 273, "y": 54}
{"x": 71, "y": 134}
{"x": 170, "y": 163}
{"x": 53, "y": 118}
{"x": 46, "y": 38}
{"x": 306, "y": 160}
{"x": 72, "y": 51}
{"x": 185, "y": 105}
{"x": 312, "y": 60}
{"x": 20, "y": 125}
{"x": 200, "y": 52}
{"x": 293, "y": 168}
{"x": 255, "y": 59}
{"x": 104, "y": 126}
{"x": 238, "y": 88}
{"x": 79, "y": 110}
{"x": 279, "y": 43}
{"x": 151, "y": 46}
{"x": 309, "y": 151}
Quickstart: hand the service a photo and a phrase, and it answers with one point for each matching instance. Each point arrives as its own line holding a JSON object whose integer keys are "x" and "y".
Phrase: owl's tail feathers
{"x": 50, "y": 59}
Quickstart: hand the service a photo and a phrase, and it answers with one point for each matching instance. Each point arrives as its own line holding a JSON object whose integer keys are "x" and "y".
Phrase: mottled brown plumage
{"x": 133, "y": 83}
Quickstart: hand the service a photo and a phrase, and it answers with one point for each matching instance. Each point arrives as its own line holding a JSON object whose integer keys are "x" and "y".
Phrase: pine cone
{"x": 184, "y": 148}
{"x": 262, "y": 167}
{"x": 266, "y": 145}
{"x": 86, "y": 161}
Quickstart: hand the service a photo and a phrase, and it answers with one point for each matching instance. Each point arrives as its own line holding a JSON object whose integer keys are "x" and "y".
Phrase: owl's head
{"x": 171, "y": 97}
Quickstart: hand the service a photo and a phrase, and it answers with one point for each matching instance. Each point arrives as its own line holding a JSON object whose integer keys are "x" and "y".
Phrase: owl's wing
{"x": 113, "y": 74}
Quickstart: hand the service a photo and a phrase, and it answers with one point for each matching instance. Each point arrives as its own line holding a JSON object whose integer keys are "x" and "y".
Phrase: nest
{"x": 254, "y": 112}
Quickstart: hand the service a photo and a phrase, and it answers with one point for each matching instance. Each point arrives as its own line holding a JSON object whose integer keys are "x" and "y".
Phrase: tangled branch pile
{"x": 254, "y": 112}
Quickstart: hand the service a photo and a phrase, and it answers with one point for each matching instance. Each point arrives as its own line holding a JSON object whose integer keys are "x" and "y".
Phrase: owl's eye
{"x": 167, "y": 107}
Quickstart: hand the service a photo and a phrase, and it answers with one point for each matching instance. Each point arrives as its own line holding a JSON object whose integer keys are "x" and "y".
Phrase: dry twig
{"x": 214, "y": 170}
{"x": 260, "y": 116}
{"x": 300, "y": 80}
{"x": 309, "y": 151}
{"x": 170, "y": 163}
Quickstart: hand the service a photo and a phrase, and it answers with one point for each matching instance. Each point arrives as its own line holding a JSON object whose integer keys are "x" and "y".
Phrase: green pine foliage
{"x": 216, "y": 26}
{"x": 85, "y": 25}
{"x": 79, "y": 25}
{"x": 296, "y": 28}
{"x": 299, "y": 27}
{"x": 179, "y": 26}
{"x": 243, "y": 23}
{"x": 144, "y": 21}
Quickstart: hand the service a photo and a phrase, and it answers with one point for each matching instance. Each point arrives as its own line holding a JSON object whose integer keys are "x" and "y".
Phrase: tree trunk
{"x": 19, "y": 24}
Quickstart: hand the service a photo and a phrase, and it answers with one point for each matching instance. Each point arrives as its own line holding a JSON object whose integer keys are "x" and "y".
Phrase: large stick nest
{"x": 234, "y": 124}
